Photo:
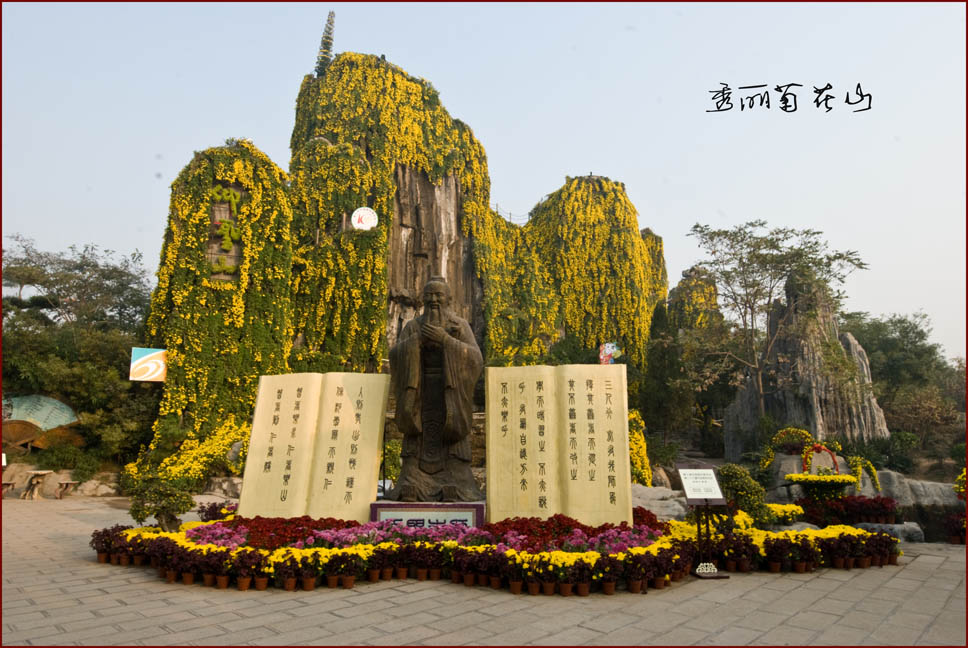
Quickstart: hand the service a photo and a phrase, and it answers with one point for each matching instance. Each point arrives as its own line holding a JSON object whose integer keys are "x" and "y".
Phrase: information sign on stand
{"x": 702, "y": 491}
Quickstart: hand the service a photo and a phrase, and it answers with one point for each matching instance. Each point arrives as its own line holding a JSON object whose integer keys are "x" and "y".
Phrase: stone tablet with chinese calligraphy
{"x": 315, "y": 446}
{"x": 557, "y": 442}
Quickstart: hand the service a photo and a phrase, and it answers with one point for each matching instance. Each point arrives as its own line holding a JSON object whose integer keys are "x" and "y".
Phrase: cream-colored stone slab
{"x": 349, "y": 441}
{"x": 278, "y": 467}
{"x": 287, "y": 471}
{"x": 523, "y": 474}
{"x": 557, "y": 442}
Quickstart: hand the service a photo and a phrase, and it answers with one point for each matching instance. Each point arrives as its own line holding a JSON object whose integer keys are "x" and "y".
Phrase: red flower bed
{"x": 272, "y": 533}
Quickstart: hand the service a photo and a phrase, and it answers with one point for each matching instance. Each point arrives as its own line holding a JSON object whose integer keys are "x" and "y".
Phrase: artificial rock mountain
{"x": 824, "y": 378}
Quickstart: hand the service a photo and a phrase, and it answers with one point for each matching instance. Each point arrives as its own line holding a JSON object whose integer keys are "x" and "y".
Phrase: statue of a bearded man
{"x": 433, "y": 367}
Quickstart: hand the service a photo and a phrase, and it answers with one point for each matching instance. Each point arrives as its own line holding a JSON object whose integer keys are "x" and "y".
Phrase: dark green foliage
{"x": 61, "y": 457}
{"x": 73, "y": 340}
{"x": 900, "y": 353}
{"x": 667, "y": 397}
{"x": 741, "y": 489}
{"x": 660, "y": 451}
{"x": 893, "y": 453}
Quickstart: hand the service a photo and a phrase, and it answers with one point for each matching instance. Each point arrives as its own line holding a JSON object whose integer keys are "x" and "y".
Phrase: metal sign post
{"x": 702, "y": 491}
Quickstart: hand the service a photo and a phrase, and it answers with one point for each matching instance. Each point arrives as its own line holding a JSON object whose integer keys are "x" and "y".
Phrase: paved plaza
{"x": 55, "y": 593}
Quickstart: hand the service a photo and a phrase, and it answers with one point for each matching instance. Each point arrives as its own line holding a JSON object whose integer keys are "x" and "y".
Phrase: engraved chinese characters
{"x": 557, "y": 442}
{"x": 435, "y": 364}
{"x": 315, "y": 446}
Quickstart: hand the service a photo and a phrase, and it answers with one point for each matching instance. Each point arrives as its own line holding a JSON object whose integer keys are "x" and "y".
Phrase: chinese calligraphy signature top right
{"x": 759, "y": 95}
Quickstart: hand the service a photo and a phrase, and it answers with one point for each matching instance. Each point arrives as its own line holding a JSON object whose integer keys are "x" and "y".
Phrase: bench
{"x": 64, "y": 488}
{"x": 6, "y": 487}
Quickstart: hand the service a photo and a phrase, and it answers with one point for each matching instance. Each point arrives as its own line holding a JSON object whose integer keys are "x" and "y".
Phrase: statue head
{"x": 436, "y": 293}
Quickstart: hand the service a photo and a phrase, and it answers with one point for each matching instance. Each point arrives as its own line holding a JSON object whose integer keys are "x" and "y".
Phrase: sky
{"x": 105, "y": 103}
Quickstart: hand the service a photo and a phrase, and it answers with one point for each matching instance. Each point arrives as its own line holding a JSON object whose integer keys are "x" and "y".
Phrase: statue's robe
{"x": 436, "y": 420}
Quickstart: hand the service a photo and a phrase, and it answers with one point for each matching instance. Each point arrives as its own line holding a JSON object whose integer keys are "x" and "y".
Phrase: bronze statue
{"x": 433, "y": 368}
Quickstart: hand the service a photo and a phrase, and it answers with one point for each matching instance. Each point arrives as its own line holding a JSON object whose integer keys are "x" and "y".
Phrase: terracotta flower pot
{"x": 386, "y": 573}
{"x": 565, "y": 589}
{"x": 876, "y": 561}
{"x": 952, "y": 539}
{"x": 658, "y": 582}
{"x": 583, "y": 589}
{"x": 153, "y": 561}
{"x": 401, "y": 572}
{"x": 730, "y": 565}
{"x": 849, "y": 562}
{"x": 515, "y": 586}
{"x": 332, "y": 580}
{"x": 102, "y": 558}
{"x": 434, "y": 573}
{"x": 243, "y": 583}
{"x": 289, "y": 584}
{"x": 138, "y": 559}
{"x": 308, "y": 583}
{"x": 222, "y": 581}
{"x": 774, "y": 567}
{"x": 743, "y": 565}
{"x": 864, "y": 562}
{"x": 188, "y": 578}
{"x": 469, "y": 579}
{"x": 114, "y": 558}
{"x": 456, "y": 577}
{"x": 892, "y": 559}
{"x": 170, "y": 576}
{"x": 548, "y": 588}
{"x": 372, "y": 575}
{"x": 261, "y": 583}
{"x": 634, "y": 586}
{"x": 608, "y": 588}
{"x": 421, "y": 573}
{"x": 885, "y": 560}
{"x": 800, "y": 567}
{"x": 124, "y": 560}
{"x": 534, "y": 588}
{"x": 494, "y": 582}
{"x": 676, "y": 576}
{"x": 347, "y": 581}
{"x": 208, "y": 580}
{"x": 162, "y": 572}
{"x": 483, "y": 580}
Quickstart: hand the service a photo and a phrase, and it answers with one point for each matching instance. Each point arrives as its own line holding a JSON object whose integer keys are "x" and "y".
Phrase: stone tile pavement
{"x": 54, "y": 593}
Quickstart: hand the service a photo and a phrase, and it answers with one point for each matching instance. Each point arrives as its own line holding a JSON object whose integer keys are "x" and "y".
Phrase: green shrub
{"x": 153, "y": 496}
{"x": 740, "y": 488}
{"x": 82, "y": 464}
{"x": 661, "y": 453}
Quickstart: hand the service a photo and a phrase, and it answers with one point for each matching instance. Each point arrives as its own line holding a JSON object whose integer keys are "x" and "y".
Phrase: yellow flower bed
{"x": 786, "y": 513}
{"x": 802, "y": 478}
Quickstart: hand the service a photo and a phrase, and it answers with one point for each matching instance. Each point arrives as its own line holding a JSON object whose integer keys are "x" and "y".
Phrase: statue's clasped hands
{"x": 434, "y": 333}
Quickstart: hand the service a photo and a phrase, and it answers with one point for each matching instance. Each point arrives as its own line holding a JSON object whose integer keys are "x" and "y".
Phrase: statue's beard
{"x": 434, "y": 315}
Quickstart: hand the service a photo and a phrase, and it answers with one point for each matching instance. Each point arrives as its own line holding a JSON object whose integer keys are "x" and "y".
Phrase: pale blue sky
{"x": 103, "y": 104}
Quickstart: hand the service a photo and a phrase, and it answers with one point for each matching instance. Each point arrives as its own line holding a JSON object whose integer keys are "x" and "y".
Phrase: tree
{"x": 899, "y": 351}
{"x": 72, "y": 339}
{"x": 326, "y": 46}
{"x": 750, "y": 267}
{"x": 86, "y": 286}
